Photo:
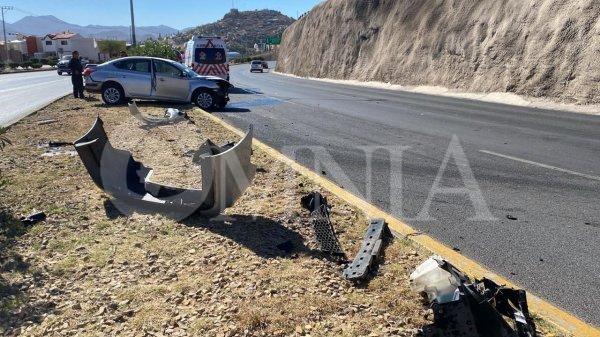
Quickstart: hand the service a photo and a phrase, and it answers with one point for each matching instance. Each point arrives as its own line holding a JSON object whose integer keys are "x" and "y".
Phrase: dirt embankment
{"x": 540, "y": 48}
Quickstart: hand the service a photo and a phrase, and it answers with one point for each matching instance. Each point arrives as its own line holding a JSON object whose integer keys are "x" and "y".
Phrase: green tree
{"x": 151, "y": 48}
{"x": 111, "y": 47}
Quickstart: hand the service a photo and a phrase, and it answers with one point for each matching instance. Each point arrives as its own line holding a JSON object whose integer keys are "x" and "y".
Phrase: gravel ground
{"x": 88, "y": 271}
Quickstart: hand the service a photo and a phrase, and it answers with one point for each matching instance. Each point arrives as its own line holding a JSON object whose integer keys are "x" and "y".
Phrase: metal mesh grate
{"x": 324, "y": 231}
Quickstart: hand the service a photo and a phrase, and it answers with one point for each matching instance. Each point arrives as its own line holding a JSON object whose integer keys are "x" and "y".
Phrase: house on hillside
{"x": 65, "y": 43}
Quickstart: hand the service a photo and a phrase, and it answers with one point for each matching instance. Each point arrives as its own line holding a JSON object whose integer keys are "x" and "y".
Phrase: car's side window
{"x": 142, "y": 66}
{"x": 165, "y": 69}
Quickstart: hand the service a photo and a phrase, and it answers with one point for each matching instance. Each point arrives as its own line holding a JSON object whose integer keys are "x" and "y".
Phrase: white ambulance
{"x": 207, "y": 56}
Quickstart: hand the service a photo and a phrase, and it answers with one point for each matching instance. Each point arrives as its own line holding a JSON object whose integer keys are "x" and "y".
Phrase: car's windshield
{"x": 66, "y": 58}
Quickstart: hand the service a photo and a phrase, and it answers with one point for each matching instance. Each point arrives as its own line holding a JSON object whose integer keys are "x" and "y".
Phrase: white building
{"x": 65, "y": 43}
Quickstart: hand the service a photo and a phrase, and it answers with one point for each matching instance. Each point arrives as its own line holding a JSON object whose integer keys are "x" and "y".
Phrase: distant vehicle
{"x": 207, "y": 56}
{"x": 155, "y": 79}
{"x": 265, "y": 65}
{"x": 256, "y": 65}
{"x": 63, "y": 64}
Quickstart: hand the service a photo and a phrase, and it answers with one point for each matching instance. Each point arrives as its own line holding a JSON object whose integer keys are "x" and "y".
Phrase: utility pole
{"x": 4, "y": 9}
{"x": 133, "y": 42}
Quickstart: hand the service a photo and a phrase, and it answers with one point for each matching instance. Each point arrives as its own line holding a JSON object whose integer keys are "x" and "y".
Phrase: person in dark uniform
{"x": 76, "y": 75}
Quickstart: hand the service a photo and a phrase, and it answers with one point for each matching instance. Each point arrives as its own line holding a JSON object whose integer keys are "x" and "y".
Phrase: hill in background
{"x": 242, "y": 29}
{"x": 46, "y": 24}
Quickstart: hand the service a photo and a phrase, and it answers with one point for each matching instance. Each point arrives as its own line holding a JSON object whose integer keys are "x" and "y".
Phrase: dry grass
{"x": 88, "y": 271}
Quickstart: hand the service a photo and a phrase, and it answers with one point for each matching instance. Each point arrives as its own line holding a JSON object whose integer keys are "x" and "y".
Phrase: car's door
{"x": 135, "y": 76}
{"x": 171, "y": 82}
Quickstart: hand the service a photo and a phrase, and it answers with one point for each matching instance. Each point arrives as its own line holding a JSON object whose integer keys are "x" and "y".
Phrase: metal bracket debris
{"x": 319, "y": 217}
{"x": 369, "y": 250}
{"x": 226, "y": 173}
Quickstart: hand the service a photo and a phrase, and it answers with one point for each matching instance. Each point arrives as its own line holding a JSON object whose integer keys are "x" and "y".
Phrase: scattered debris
{"x": 58, "y": 144}
{"x": 33, "y": 218}
{"x": 47, "y": 121}
{"x": 56, "y": 148}
{"x": 470, "y": 309}
{"x": 321, "y": 223}
{"x": 226, "y": 173}
{"x": 171, "y": 116}
{"x": 370, "y": 249}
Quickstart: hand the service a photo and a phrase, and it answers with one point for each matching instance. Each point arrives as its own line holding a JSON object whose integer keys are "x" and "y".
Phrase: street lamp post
{"x": 133, "y": 42}
{"x": 4, "y": 9}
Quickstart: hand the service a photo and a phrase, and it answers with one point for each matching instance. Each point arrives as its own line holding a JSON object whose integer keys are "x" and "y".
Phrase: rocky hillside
{"x": 242, "y": 29}
{"x": 545, "y": 48}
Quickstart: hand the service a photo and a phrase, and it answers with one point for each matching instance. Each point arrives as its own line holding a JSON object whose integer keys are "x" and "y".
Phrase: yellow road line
{"x": 551, "y": 313}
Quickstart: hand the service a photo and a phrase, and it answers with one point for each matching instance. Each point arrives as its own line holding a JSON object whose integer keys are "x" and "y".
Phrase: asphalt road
{"x": 23, "y": 93}
{"x": 538, "y": 172}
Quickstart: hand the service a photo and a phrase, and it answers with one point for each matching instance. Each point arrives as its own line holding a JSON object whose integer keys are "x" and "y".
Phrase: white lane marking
{"x": 550, "y": 167}
{"x": 30, "y": 86}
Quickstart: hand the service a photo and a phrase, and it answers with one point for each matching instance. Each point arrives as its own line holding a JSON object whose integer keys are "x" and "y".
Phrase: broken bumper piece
{"x": 171, "y": 116}
{"x": 478, "y": 309}
{"x": 226, "y": 173}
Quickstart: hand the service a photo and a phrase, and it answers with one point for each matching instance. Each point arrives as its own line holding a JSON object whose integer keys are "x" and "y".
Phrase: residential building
{"x": 34, "y": 45}
{"x": 16, "y": 49}
{"x": 65, "y": 43}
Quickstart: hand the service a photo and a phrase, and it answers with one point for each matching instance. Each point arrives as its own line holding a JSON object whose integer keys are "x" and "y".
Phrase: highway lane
{"x": 538, "y": 172}
{"x": 23, "y": 93}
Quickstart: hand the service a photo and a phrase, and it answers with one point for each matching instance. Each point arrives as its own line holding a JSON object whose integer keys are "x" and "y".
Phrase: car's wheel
{"x": 60, "y": 73}
{"x": 205, "y": 99}
{"x": 112, "y": 94}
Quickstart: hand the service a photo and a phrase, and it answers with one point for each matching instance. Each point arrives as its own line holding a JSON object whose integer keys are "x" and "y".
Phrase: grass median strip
{"x": 88, "y": 270}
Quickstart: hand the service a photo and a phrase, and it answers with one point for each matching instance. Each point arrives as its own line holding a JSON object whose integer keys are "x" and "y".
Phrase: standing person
{"x": 76, "y": 75}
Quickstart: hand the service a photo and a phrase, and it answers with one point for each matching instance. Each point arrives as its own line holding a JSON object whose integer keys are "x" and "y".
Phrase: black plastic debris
{"x": 371, "y": 248}
{"x": 480, "y": 309}
{"x": 53, "y": 143}
{"x": 319, "y": 217}
{"x": 33, "y": 218}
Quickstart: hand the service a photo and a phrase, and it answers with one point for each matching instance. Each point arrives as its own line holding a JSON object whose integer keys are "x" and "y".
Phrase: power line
{"x": 24, "y": 11}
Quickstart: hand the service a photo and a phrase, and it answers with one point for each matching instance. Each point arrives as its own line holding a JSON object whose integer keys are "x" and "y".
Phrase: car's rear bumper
{"x": 92, "y": 86}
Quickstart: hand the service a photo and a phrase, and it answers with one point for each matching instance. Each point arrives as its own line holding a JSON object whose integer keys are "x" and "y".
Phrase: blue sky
{"x": 175, "y": 13}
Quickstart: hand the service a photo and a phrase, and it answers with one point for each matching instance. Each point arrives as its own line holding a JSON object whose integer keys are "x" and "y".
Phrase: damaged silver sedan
{"x": 226, "y": 173}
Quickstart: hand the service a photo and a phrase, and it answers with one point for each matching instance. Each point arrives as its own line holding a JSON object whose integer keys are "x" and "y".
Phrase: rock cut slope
{"x": 541, "y": 48}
